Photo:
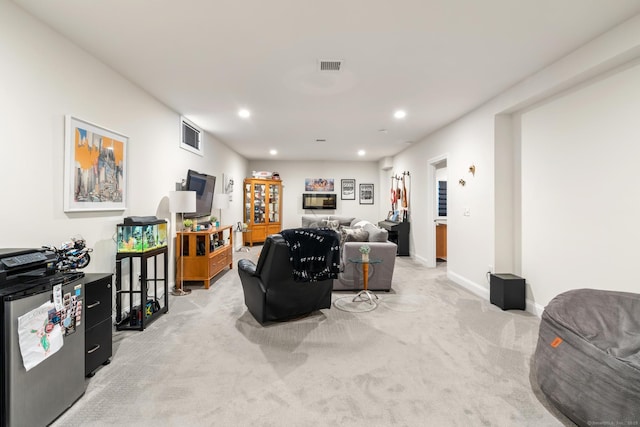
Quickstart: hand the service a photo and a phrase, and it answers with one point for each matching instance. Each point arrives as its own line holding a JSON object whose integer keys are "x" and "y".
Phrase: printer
{"x": 24, "y": 265}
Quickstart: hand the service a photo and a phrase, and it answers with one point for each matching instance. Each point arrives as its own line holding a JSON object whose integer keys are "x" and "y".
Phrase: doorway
{"x": 437, "y": 211}
{"x": 441, "y": 211}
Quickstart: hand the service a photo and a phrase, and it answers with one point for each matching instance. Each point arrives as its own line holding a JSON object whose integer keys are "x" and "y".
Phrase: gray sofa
{"x": 354, "y": 233}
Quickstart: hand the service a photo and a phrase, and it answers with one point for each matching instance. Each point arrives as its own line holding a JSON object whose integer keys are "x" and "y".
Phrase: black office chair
{"x": 270, "y": 291}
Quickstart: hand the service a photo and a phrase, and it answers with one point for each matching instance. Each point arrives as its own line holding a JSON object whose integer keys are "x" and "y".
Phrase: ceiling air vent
{"x": 330, "y": 65}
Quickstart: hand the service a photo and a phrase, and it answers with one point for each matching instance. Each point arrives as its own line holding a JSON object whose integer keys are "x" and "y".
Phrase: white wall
{"x": 293, "y": 176}
{"x": 489, "y": 138}
{"x": 464, "y": 143}
{"x": 580, "y": 183}
{"x": 45, "y": 77}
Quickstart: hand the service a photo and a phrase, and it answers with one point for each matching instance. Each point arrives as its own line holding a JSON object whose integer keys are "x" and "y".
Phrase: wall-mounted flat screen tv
{"x": 203, "y": 185}
{"x": 319, "y": 201}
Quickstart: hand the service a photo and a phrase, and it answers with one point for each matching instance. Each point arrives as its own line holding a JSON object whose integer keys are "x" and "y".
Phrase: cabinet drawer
{"x": 98, "y": 301}
{"x": 219, "y": 261}
{"x": 97, "y": 345}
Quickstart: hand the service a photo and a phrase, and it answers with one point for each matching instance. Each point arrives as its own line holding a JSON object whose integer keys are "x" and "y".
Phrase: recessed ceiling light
{"x": 361, "y": 153}
{"x": 244, "y": 113}
{"x": 400, "y": 114}
{"x": 273, "y": 152}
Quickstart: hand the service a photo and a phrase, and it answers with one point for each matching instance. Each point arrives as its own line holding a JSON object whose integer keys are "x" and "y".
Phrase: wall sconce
{"x": 462, "y": 182}
{"x": 472, "y": 170}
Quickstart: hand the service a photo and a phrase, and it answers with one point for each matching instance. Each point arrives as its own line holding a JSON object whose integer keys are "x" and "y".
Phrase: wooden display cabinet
{"x": 262, "y": 209}
{"x": 206, "y": 253}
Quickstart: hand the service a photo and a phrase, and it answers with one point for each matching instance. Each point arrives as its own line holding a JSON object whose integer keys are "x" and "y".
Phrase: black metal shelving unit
{"x": 141, "y": 313}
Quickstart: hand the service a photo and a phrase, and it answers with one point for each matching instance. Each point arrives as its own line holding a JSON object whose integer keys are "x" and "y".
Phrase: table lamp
{"x": 182, "y": 202}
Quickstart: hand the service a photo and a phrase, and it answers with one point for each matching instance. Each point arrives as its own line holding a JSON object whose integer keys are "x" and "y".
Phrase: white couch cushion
{"x": 376, "y": 234}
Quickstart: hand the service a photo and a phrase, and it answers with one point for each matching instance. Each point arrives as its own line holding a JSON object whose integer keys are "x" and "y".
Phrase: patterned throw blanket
{"x": 314, "y": 253}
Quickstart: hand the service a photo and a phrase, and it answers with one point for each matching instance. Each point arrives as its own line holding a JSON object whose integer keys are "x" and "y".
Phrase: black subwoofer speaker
{"x": 507, "y": 291}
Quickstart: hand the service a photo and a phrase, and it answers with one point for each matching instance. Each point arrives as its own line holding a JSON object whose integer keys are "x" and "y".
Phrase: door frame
{"x": 432, "y": 203}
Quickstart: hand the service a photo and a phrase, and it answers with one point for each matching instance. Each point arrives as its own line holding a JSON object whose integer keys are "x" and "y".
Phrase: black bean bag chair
{"x": 587, "y": 360}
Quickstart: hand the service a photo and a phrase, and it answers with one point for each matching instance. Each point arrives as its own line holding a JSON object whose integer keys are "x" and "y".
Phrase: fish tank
{"x": 140, "y": 235}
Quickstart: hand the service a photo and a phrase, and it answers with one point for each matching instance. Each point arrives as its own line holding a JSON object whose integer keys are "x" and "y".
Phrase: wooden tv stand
{"x": 206, "y": 253}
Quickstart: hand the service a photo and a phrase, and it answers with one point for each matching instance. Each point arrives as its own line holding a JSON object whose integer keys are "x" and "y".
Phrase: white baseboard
{"x": 535, "y": 308}
{"x": 479, "y": 290}
{"x": 469, "y": 285}
{"x": 422, "y": 260}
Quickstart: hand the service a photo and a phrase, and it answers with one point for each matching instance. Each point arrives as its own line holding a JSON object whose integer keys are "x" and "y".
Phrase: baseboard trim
{"x": 469, "y": 285}
{"x": 422, "y": 260}
{"x": 479, "y": 290}
{"x": 535, "y": 308}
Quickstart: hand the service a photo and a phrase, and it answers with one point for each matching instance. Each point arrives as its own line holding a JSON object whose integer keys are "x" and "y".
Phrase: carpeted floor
{"x": 432, "y": 354}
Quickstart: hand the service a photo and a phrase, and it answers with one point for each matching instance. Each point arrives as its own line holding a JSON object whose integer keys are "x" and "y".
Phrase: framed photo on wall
{"x": 95, "y": 167}
{"x": 318, "y": 184}
{"x": 347, "y": 189}
{"x": 366, "y": 194}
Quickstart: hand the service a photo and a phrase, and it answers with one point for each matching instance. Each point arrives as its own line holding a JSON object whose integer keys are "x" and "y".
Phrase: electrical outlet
{"x": 490, "y": 268}
{"x": 467, "y": 212}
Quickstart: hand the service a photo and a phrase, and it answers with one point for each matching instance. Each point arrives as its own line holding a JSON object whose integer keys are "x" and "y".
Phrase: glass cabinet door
{"x": 274, "y": 203}
{"x": 247, "y": 202}
{"x": 259, "y": 203}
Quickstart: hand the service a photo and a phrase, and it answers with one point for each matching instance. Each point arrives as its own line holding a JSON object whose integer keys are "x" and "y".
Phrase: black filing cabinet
{"x": 507, "y": 291}
{"x": 99, "y": 327}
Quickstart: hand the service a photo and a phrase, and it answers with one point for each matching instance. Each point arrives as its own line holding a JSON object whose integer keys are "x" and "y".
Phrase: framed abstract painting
{"x": 95, "y": 167}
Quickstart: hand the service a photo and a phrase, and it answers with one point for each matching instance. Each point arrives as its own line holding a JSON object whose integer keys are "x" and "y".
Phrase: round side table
{"x": 365, "y": 295}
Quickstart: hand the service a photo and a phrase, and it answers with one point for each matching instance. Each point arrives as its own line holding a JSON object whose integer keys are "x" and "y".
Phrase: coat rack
{"x": 400, "y": 196}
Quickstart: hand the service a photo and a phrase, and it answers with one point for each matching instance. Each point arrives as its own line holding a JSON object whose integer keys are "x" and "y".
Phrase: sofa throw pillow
{"x": 361, "y": 224}
{"x": 332, "y": 224}
{"x": 343, "y": 236}
{"x": 355, "y": 235}
{"x": 342, "y": 220}
{"x": 376, "y": 234}
{"x": 310, "y": 221}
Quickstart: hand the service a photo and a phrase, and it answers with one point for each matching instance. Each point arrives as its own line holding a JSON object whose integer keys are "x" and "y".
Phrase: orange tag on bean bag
{"x": 556, "y": 342}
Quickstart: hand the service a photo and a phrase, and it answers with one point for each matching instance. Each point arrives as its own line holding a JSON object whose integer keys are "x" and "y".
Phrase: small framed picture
{"x": 348, "y": 189}
{"x": 366, "y": 194}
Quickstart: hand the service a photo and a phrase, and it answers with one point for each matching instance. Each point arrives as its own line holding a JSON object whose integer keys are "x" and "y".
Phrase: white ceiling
{"x": 436, "y": 59}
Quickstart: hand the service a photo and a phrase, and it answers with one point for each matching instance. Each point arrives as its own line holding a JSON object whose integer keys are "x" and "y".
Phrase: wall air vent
{"x": 190, "y": 136}
{"x": 321, "y": 140}
{"x": 334, "y": 65}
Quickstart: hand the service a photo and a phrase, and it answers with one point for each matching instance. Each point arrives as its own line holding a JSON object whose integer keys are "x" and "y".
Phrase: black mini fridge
{"x": 37, "y": 396}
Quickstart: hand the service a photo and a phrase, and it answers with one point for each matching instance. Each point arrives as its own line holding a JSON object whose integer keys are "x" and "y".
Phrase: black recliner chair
{"x": 270, "y": 292}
